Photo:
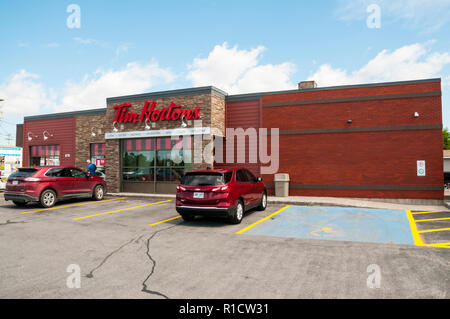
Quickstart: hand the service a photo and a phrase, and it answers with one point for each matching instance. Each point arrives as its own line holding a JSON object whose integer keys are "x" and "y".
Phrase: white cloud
{"x": 410, "y": 62}
{"x": 25, "y": 95}
{"x": 429, "y": 15}
{"x": 85, "y": 41}
{"x": 239, "y": 71}
{"x": 93, "y": 90}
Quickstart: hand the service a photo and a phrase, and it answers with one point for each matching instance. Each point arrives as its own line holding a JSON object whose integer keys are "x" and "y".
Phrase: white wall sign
{"x": 153, "y": 133}
{"x": 421, "y": 168}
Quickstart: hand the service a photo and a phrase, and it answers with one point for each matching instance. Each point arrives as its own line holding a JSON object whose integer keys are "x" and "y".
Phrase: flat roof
{"x": 253, "y": 96}
{"x": 169, "y": 93}
{"x": 213, "y": 90}
{"x": 64, "y": 114}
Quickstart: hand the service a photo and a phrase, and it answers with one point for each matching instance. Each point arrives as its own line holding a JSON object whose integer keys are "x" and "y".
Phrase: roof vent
{"x": 307, "y": 85}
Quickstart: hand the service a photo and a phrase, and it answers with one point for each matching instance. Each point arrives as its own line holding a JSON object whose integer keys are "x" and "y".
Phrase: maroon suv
{"x": 46, "y": 185}
{"x": 220, "y": 192}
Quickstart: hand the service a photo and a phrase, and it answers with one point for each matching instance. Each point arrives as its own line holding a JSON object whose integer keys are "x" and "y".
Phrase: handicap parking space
{"x": 356, "y": 224}
{"x": 338, "y": 223}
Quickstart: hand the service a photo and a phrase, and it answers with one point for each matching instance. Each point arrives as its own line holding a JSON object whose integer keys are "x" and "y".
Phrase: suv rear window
{"x": 205, "y": 179}
{"x": 24, "y": 173}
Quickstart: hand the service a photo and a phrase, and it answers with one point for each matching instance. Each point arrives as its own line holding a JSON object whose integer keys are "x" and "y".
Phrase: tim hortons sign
{"x": 150, "y": 113}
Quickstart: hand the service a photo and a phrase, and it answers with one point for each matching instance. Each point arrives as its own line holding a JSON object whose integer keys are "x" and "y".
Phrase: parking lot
{"x": 140, "y": 248}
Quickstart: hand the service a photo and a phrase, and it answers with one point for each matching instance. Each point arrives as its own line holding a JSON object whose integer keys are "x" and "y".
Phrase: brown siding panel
{"x": 63, "y": 131}
{"x": 242, "y": 114}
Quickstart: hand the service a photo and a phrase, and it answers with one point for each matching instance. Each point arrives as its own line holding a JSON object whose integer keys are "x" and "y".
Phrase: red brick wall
{"x": 359, "y": 158}
{"x": 242, "y": 114}
{"x": 63, "y": 131}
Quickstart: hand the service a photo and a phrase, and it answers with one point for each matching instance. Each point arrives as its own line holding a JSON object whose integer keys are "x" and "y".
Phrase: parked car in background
{"x": 222, "y": 192}
{"x": 47, "y": 185}
{"x": 100, "y": 174}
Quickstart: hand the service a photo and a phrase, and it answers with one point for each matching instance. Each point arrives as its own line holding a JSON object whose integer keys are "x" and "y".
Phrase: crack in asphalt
{"x": 144, "y": 285}
{"x": 91, "y": 273}
{"x": 8, "y": 222}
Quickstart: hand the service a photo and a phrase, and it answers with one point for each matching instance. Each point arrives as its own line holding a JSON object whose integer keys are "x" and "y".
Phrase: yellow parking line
{"x": 441, "y": 245}
{"x": 261, "y": 220}
{"x": 163, "y": 221}
{"x": 414, "y": 232}
{"x": 430, "y": 220}
{"x": 431, "y": 212}
{"x": 72, "y": 205}
{"x": 121, "y": 210}
{"x": 432, "y": 230}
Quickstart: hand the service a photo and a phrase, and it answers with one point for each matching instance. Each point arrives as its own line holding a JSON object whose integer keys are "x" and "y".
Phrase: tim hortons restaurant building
{"x": 381, "y": 140}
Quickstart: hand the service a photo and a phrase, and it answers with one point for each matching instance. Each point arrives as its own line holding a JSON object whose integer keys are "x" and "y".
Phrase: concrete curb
{"x": 314, "y": 201}
{"x": 269, "y": 200}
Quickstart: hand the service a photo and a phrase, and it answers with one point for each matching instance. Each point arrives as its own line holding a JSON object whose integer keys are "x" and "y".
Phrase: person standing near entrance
{"x": 91, "y": 167}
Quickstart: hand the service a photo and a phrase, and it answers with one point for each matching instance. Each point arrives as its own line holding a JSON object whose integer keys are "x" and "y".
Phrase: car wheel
{"x": 238, "y": 213}
{"x": 99, "y": 192}
{"x": 48, "y": 198}
{"x": 187, "y": 218}
{"x": 20, "y": 204}
{"x": 263, "y": 202}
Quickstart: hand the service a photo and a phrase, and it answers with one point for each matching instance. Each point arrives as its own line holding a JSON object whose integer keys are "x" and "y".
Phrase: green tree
{"x": 446, "y": 138}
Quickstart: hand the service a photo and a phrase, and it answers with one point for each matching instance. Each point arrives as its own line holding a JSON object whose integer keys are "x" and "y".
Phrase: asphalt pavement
{"x": 140, "y": 248}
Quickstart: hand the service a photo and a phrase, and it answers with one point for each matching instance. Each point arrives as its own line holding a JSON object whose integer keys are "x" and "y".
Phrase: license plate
{"x": 15, "y": 182}
{"x": 199, "y": 195}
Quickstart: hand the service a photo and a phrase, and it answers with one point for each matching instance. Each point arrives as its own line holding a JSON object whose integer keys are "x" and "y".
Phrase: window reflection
{"x": 160, "y": 159}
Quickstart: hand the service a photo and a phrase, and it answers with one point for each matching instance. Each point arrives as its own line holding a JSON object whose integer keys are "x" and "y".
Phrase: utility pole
{"x": 9, "y": 139}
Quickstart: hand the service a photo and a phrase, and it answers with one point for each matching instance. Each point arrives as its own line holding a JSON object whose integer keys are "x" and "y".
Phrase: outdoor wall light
{"x": 115, "y": 129}
{"x": 92, "y": 132}
{"x": 416, "y": 114}
{"x": 349, "y": 121}
{"x": 147, "y": 127}
{"x": 29, "y": 137}
{"x": 46, "y": 136}
{"x": 183, "y": 122}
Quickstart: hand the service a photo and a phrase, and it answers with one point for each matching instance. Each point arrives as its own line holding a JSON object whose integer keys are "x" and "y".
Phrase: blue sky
{"x": 127, "y": 47}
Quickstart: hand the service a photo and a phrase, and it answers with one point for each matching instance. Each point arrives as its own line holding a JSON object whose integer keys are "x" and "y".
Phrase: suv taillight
{"x": 221, "y": 189}
{"x": 180, "y": 188}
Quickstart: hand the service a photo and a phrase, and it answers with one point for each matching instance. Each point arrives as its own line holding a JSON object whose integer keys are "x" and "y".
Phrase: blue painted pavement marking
{"x": 339, "y": 223}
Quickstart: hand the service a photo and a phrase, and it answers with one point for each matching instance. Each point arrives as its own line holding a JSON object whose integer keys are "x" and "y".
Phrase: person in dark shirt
{"x": 91, "y": 167}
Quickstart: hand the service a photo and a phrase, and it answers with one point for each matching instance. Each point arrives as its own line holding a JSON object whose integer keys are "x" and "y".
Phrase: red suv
{"x": 220, "y": 192}
{"x": 47, "y": 185}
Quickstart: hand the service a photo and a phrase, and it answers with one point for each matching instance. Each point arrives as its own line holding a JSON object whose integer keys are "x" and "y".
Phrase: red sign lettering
{"x": 149, "y": 113}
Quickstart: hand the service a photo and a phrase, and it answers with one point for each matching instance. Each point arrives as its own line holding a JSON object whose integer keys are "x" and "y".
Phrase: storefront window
{"x": 44, "y": 155}
{"x": 155, "y": 159}
{"x": 98, "y": 156}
